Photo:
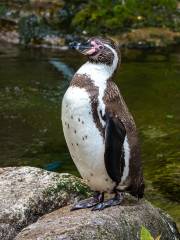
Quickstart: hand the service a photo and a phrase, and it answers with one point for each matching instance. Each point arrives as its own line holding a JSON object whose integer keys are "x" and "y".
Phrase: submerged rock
{"x": 116, "y": 223}
{"x": 27, "y": 193}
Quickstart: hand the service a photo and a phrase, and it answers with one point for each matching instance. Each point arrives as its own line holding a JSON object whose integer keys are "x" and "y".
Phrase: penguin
{"x": 99, "y": 130}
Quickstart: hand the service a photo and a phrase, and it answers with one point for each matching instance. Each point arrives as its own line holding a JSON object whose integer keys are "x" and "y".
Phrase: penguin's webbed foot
{"x": 90, "y": 202}
{"x": 117, "y": 200}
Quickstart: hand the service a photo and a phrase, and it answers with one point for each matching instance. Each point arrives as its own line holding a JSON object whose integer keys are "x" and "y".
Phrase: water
{"x": 32, "y": 83}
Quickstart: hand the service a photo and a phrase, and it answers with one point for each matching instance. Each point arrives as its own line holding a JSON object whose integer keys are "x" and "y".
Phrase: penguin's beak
{"x": 85, "y": 48}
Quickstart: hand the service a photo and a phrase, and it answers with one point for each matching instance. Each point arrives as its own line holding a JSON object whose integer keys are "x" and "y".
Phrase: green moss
{"x": 70, "y": 184}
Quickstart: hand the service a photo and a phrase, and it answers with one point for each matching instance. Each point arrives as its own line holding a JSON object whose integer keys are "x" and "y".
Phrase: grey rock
{"x": 27, "y": 193}
{"x": 116, "y": 223}
{"x": 9, "y": 36}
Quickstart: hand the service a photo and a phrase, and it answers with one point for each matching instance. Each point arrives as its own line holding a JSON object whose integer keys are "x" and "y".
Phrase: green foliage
{"x": 3, "y": 10}
{"x": 146, "y": 235}
{"x": 108, "y": 15}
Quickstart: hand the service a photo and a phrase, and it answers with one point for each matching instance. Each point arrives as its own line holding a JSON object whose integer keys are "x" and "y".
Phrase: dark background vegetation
{"x": 35, "y": 19}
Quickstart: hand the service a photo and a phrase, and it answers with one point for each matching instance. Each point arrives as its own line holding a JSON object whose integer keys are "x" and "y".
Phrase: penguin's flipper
{"x": 115, "y": 133}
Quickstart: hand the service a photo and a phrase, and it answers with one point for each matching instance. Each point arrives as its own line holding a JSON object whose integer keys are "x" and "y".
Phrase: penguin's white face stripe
{"x": 116, "y": 59}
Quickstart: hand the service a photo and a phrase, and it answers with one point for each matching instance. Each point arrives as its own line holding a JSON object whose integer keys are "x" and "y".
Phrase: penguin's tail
{"x": 138, "y": 190}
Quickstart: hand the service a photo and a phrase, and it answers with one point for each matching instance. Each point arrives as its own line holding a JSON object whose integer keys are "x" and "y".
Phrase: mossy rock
{"x": 26, "y": 193}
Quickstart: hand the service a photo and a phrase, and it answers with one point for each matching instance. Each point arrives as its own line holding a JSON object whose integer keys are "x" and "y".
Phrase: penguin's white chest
{"x": 85, "y": 143}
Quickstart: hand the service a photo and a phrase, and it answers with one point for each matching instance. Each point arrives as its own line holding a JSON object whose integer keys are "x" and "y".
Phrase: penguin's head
{"x": 99, "y": 50}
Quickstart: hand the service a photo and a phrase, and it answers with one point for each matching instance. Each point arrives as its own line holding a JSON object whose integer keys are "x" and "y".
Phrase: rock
{"x": 116, "y": 223}
{"x": 149, "y": 37}
{"x": 9, "y": 36}
{"x": 27, "y": 193}
{"x": 53, "y": 40}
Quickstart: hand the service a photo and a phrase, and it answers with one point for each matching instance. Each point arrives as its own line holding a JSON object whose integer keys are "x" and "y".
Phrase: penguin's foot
{"x": 90, "y": 202}
{"x": 117, "y": 200}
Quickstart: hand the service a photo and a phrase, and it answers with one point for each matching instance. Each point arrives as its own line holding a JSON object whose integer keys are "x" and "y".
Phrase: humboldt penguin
{"x": 99, "y": 130}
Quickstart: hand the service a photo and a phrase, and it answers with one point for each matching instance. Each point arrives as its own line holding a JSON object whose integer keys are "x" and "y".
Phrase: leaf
{"x": 158, "y": 237}
{"x": 145, "y": 234}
